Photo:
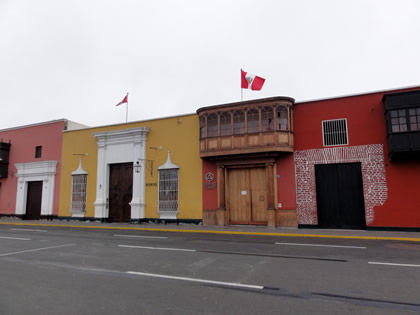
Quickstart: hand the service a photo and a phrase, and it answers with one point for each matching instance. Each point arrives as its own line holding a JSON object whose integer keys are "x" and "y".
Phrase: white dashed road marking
{"x": 28, "y": 230}
{"x": 320, "y": 245}
{"x": 159, "y": 248}
{"x": 231, "y": 284}
{"x": 140, "y": 236}
{"x": 34, "y": 250}
{"x": 15, "y": 238}
{"x": 392, "y": 264}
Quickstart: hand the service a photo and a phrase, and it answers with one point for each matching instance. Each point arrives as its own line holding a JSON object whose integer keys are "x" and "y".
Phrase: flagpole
{"x": 126, "y": 111}
{"x": 242, "y": 97}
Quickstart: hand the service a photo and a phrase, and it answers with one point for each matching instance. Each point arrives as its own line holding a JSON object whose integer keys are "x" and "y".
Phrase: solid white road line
{"x": 28, "y": 230}
{"x": 392, "y": 264}
{"x": 15, "y": 238}
{"x": 34, "y": 250}
{"x": 320, "y": 245}
{"x": 231, "y": 284}
{"x": 140, "y": 236}
{"x": 158, "y": 248}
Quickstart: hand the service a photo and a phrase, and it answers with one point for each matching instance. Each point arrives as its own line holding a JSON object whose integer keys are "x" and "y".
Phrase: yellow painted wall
{"x": 179, "y": 135}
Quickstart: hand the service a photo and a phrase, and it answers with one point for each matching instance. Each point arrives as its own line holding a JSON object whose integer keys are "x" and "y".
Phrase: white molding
{"x": 168, "y": 164}
{"x": 80, "y": 170}
{"x": 121, "y": 146}
{"x": 44, "y": 171}
{"x": 168, "y": 214}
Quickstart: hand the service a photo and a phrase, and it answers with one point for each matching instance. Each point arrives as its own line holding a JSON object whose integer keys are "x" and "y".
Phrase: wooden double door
{"x": 246, "y": 195}
{"x": 120, "y": 192}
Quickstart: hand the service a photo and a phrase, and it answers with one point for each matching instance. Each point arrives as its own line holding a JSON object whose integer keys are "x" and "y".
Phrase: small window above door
{"x": 38, "y": 152}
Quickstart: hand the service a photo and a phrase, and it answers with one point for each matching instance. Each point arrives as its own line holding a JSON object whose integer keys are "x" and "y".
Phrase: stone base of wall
{"x": 286, "y": 218}
{"x": 209, "y": 216}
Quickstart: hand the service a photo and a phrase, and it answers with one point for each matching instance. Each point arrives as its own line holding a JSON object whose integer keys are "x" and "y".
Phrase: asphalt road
{"x": 62, "y": 270}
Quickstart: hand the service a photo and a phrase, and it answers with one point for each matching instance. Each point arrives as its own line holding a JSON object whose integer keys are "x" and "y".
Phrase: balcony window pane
{"x": 202, "y": 127}
{"x": 225, "y": 124}
{"x": 238, "y": 123}
{"x": 282, "y": 121}
{"x": 267, "y": 119}
{"x": 253, "y": 121}
{"x": 399, "y": 121}
{"x": 395, "y": 128}
{"x": 212, "y": 126}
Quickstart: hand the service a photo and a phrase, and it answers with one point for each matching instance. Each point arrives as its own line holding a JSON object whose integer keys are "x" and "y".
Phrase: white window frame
{"x": 337, "y": 136}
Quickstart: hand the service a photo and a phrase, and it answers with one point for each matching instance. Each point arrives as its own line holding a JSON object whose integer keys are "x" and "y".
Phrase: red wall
{"x": 24, "y": 140}
{"x": 366, "y": 125}
{"x": 209, "y": 188}
{"x": 286, "y": 188}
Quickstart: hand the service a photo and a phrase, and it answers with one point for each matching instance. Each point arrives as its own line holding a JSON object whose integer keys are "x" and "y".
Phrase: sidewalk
{"x": 230, "y": 229}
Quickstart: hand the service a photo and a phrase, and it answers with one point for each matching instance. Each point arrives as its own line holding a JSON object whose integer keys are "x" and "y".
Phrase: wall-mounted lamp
{"x": 137, "y": 167}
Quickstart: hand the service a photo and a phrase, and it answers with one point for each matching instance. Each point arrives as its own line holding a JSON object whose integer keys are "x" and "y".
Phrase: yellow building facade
{"x": 133, "y": 171}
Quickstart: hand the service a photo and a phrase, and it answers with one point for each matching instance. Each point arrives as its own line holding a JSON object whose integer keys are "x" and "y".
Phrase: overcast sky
{"x": 76, "y": 59}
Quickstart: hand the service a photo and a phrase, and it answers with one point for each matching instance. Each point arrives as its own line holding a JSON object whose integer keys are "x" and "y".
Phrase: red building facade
{"x": 347, "y": 162}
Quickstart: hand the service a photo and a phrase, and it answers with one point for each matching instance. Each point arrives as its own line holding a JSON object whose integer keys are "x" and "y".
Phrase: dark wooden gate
{"x": 33, "y": 201}
{"x": 339, "y": 193}
{"x": 120, "y": 191}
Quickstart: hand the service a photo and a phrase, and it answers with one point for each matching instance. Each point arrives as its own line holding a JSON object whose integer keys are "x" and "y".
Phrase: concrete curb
{"x": 388, "y": 238}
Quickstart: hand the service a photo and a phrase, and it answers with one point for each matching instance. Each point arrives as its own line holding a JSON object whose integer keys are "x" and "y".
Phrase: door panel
{"x": 120, "y": 191}
{"x": 33, "y": 201}
{"x": 239, "y": 198}
{"x": 258, "y": 193}
{"x": 247, "y": 197}
{"x": 340, "y": 201}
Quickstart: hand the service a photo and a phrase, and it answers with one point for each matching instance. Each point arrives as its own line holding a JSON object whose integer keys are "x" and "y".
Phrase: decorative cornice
{"x": 43, "y": 168}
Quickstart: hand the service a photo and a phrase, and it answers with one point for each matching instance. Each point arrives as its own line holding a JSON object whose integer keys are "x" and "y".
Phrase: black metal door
{"x": 339, "y": 193}
{"x": 120, "y": 191}
{"x": 33, "y": 201}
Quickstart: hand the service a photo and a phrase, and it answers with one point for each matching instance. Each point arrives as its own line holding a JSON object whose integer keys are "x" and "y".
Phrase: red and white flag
{"x": 125, "y": 100}
{"x": 251, "y": 81}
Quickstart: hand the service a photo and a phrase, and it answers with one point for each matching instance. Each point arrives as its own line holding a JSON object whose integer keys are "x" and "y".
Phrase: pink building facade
{"x": 30, "y": 158}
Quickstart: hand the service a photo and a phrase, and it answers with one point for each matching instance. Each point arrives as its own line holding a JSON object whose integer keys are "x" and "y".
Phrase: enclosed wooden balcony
{"x": 257, "y": 126}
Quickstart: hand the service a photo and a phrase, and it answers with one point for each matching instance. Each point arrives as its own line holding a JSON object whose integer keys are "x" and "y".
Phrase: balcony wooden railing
{"x": 257, "y": 126}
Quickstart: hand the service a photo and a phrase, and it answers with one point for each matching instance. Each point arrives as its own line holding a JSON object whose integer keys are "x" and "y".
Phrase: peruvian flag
{"x": 125, "y": 100}
{"x": 251, "y": 81}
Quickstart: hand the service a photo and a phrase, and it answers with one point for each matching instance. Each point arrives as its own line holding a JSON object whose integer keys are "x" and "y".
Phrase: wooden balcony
{"x": 251, "y": 127}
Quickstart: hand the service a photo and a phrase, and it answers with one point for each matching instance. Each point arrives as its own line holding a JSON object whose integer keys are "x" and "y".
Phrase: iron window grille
{"x": 334, "y": 132}
{"x": 168, "y": 190}
{"x": 78, "y": 195}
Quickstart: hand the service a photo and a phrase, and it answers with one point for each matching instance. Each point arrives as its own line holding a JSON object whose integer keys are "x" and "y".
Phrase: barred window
{"x": 78, "y": 195}
{"x": 335, "y": 132}
{"x": 168, "y": 190}
{"x": 253, "y": 120}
